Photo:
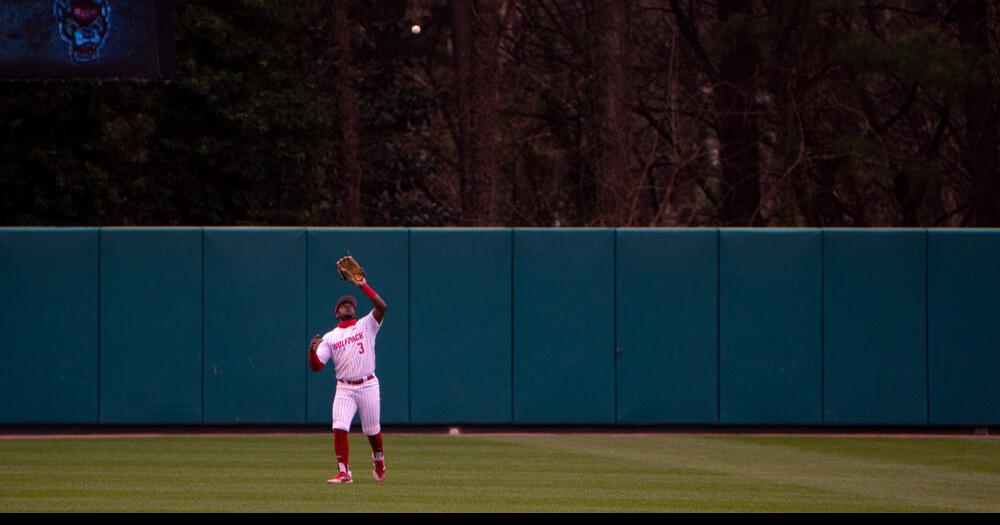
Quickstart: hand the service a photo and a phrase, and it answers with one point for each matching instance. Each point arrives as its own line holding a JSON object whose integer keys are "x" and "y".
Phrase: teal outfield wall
{"x": 506, "y": 326}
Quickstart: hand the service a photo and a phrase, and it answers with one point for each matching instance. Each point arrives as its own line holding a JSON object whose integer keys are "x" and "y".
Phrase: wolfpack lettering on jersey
{"x": 352, "y": 349}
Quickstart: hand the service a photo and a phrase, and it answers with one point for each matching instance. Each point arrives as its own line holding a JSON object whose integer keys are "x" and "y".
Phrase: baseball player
{"x": 351, "y": 345}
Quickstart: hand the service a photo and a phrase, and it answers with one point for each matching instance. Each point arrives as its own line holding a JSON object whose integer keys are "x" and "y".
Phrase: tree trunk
{"x": 347, "y": 171}
{"x": 610, "y": 129}
{"x": 979, "y": 148}
{"x": 738, "y": 126}
{"x": 475, "y": 35}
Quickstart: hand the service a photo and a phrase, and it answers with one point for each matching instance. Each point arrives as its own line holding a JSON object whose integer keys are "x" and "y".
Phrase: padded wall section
{"x": 770, "y": 364}
{"x": 151, "y": 326}
{"x": 255, "y": 326}
{"x": 964, "y": 334}
{"x": 564, "y": 326}
{"x": 874, "y": 328}
{"x": 48, "y": 322}
{"x": 460, "y": 326}
{"x": 667, "y": 329}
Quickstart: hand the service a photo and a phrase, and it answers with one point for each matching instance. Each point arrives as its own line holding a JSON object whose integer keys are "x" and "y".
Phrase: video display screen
{"x": 87, "y": 39}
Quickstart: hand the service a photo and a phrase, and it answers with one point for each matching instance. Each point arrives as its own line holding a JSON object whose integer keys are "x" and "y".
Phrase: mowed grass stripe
{"x": 591, "y": 473}
{"x": 899, "y": 474}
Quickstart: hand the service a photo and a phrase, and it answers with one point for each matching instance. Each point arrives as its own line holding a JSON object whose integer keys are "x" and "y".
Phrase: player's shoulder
{"x": 330, "y": 336}
{"x": 370, "y": 319}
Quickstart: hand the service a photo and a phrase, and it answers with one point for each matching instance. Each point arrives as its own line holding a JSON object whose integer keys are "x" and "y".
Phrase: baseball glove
{"x": 350, "y": 270}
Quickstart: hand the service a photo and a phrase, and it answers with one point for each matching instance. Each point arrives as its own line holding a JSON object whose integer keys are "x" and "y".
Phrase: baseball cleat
{"x": 378, "y": 472}
{"x": 343, "y": 477}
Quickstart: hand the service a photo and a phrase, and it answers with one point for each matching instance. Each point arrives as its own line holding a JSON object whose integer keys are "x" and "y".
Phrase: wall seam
{"x": 822, "y": 326}
{"x": 614, "y": 318}
{"x": 99, "y": 254}
{"x": 409, "y": 325}
{"x": 203, "y": 326}
{"x": 305, "y": 311}
{"x": 927, "y": 323}
{"x": 718, "y": 326}
{"x": 512, "y": 324}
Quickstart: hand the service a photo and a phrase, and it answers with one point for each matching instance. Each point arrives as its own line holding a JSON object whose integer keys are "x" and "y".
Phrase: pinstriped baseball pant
{"x": 363, "y": 399}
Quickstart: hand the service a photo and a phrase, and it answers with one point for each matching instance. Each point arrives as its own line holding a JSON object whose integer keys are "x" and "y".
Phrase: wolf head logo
{"x": 84, "y": 25}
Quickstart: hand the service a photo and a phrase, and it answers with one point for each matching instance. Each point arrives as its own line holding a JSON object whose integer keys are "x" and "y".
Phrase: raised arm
{"x": 377, "y": 302}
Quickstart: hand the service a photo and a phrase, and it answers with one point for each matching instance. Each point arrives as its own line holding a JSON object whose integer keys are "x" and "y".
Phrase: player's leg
{"x": 369, "y": 408}
{"x": 344, "y": 408}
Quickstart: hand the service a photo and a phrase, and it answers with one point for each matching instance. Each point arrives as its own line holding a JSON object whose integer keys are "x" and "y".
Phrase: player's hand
{"x": 362, "y": 282}
{"x": 314, "y": 344}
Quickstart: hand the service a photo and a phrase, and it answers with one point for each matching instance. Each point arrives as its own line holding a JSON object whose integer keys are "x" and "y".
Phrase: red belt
{"x": 358, "y": 382}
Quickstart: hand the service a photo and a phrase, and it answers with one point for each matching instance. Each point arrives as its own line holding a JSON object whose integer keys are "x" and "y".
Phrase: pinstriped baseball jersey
{"x": 352, "y": 349}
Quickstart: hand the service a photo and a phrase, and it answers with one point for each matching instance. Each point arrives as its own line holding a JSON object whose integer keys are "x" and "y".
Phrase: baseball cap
{"x": 345, "y": 299}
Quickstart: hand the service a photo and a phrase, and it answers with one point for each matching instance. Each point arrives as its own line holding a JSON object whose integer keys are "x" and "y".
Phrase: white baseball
{"x": 415, "y": 30}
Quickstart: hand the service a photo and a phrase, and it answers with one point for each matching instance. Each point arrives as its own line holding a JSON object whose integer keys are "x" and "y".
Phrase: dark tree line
{"x": 528, "y": 113}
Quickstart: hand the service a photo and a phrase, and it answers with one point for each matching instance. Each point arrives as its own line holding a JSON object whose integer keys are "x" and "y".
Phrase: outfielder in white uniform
{"x": 351, "y": 345}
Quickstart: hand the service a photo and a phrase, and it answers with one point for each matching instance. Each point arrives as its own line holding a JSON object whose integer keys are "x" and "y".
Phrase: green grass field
{"x": 436, "y": 473}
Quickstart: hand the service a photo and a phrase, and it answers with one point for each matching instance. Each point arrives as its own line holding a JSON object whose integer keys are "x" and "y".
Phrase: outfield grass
{"x": 558, "y": 473}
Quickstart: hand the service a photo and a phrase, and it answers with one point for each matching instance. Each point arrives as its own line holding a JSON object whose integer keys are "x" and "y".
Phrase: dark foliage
{"x": 567, "y": 113}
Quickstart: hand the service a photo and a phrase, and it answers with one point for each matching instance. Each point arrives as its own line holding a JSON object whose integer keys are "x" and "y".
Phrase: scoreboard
{"x": 87, "y": 39}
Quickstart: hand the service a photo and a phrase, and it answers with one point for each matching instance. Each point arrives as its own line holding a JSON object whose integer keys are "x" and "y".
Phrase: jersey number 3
{"x": 362, "y": 348}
